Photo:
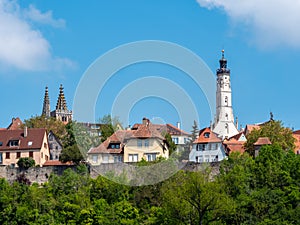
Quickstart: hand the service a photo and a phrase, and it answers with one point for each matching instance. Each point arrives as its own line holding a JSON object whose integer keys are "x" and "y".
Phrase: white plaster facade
{"x": 224, "y": 125}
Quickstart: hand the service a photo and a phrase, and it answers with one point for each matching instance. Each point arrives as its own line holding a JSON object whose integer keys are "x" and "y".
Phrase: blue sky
{"x": 48, "y": 43}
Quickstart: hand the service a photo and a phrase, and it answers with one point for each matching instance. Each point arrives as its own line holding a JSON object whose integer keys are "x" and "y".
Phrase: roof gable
{"x": 206, "y": 135}
{"x": 33, "y": 139}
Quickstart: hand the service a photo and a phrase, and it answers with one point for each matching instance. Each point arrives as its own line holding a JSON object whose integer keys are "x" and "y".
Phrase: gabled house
{"x": 26, "y": 142}
{"x": 235, "y": 143}
{"x": 261, "y": 141}
{"x": 16, "y": 124}
{"x": 179, "y": 136}
{"x": 143, "y": 141}
{"x": 55, "y": 146}
{"x": 207, "y": 147}
{"x": 110, "y": 151}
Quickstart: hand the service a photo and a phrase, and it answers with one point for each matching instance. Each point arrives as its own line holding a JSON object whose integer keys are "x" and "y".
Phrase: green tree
{"x": 171, "y": 145}
{"x": 195, "y": 131}
{"x": 192, "y": 198}
{"x": 277, "y": 134}
{"x": 25, "y": 162}
{"x": 51, "y": 124}
{"x": 71, "y": 154}
{"x": 109, "y": 126}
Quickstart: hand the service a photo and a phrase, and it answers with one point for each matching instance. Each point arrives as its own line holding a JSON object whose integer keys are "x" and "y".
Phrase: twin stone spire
{"x": 61, "y": 111}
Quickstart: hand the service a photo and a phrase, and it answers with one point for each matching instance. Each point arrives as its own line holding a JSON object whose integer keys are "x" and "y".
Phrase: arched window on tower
{"x": 227, "y": 128}
{"x": 226, "y": 100}
{"x": 226, "y": 115}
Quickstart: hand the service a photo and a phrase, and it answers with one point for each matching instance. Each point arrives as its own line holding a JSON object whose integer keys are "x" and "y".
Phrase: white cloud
{"x": 35, "y": 15}
{"x": 21, "y": 46}
{"x": 274, "y": 22}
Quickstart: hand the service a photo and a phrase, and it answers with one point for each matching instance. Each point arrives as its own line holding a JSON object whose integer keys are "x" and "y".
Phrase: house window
{"x": 200, "y": 158}
{"x": 139, "y": 143}
{"x": 95, "y": 158}
{"x": 18, "y": 155}
{"x": 133, "y": 157}
{"x": 112, "y": 146}
{"x": 151, "y": 157}
{"x": 118, "y": 158}
{"x": 42, "y": 155}
{"x": 7, "y": 155}
{"x": 175, "y": 140}
{"x": 203, "y": 147}
{"x": 1, "y": 143}
{"x": 146, "y": 143}
{"x": 31, "y": 154}
{"x": 13, "y": 143}
{"x": 1, "y": 159}
{"x": 207, "y": 158}
{"x": 45, "y": 145}
{"x": 206, "y": 134}
{"x": 117, "y": 146}
{"x": 185, "y": 140}
{"x": 105, "y": 158}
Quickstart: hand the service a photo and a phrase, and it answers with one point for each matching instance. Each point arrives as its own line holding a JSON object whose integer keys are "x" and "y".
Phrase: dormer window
{"x": 13, "y": 143}
{"x": 206, "y": 134}
{"x": 114, "y": 146}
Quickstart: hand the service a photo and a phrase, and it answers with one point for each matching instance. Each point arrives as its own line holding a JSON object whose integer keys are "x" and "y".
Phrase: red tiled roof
{"x": 251, "y": 127}
{"x": 207, "y": 136}
{"x": 34, "y": 139}
{"x": 175, "y": 130}
{"x": 263, "y": 141}
{"x": 15, "y": 124}
{"x": 237, "y": 136}
{"x": 138, "y": 131}
{"x": 57, "y": 163}
{"x": 117, "y": 137}
{"x": 296, "y": 132}
{"x": 234, "y": 145}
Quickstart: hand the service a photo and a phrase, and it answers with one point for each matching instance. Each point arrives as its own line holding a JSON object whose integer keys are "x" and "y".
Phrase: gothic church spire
{"x": 46, "y": 104}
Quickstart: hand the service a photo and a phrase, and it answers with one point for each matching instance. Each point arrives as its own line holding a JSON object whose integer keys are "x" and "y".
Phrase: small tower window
{"x": 226, "y": 100}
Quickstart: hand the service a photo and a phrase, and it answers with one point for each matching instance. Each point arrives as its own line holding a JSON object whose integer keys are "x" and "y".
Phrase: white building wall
{"x": 212, "y": 152}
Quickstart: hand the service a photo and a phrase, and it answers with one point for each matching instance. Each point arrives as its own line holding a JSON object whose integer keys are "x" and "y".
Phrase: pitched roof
{"x": 117, "y": 138}
{"x": 147, "y": 130}
{"x": 57, "y": 163}
{"x": 263, "y": 141}
{"x": 234, "y": 145}
{"x": 15, "y": 124}
{"x": 237, "y": 136}
{"x": 173, "y": 130}
{"x": 33, "y": 140}
{"x": 206, "y": 135}
{"x": 296, "y": 132}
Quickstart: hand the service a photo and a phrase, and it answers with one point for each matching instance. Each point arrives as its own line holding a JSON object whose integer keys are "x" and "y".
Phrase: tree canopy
{"x": 277, "y": 134}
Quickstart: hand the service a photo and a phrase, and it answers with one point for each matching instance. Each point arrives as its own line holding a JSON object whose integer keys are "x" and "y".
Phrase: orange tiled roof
{"x": 263, "y": 141}
{"x": 207, "y": 136}
{"x": 34, "y": 139}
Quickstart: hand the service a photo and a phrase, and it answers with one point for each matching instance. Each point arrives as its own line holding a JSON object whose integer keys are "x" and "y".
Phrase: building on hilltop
{"x": 61, "y": 111}
{"x": 143, "y": 141}
{"x": 208, "y": 147}
{"x": 224, "y": 125}
{"x": 27, "y": 142}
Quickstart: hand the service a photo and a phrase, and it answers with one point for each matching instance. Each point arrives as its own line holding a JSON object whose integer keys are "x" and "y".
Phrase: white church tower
{"x": 224, "y": 125}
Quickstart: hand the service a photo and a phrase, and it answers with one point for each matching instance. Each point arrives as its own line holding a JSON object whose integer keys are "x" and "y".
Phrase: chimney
{"x": 146, "y": 121}
{"x": 178, "y": 125}
{"x": 25, "y": 131}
